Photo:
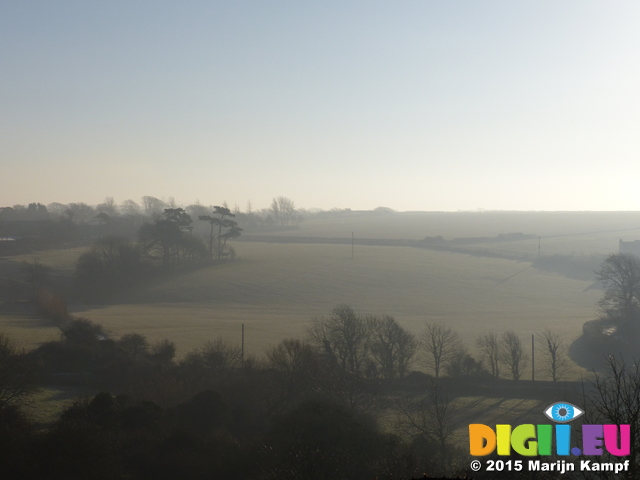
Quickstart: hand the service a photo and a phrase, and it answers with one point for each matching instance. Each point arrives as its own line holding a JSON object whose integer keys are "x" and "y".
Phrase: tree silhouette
{"x": 491, "y": 348}
{"x": 555, "y": 352}
{"x": 515, "y": 357}
{"x": 620, "y": 274}
{"x": 167, "y": 233}
{"x": 392, "y": 347}
{"x": 440, "y": 343}
{"x": 222, "y": 219}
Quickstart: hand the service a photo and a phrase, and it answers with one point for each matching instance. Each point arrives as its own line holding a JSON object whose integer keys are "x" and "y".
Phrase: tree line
{"x": 281, "y": 213}
{"x": 166, "y": 243}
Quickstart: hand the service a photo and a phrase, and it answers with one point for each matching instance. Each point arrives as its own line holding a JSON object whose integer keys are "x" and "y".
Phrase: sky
{"x": 412, "y": 105}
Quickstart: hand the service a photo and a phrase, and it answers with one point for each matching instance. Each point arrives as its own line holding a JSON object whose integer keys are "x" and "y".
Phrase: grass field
{"x": 275, "y": 289}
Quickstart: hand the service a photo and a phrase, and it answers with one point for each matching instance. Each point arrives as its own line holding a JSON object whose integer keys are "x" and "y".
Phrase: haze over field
{"x": 415, "y": 106}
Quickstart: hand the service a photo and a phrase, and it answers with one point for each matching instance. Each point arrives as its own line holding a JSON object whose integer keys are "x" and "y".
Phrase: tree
{"x": 432, "y": 419}
{"x": 130, "y": 207}
{"x": 111, "y": 262}
{"x": 440, "y": 343}
{"x": 222, "y": 219}
{"x": 38, "y": 276}
{"x": 18, "y": 373}
{"x": 620, "y": 274}
{"x": 392, "y": 347}
{"x": 217, "y": 357}
{"x": 163, "y": 351}
{"x": 296, "y": 363}
{"x": 491, "y": 348}
{"x": 616, "y": 400}
{"x": 283, "y": 211}
{"x": 56, "y": 208}
{"x": 168, "y": 235}
{"x": 80, "y": 212}
{"x": 463, "y": 364}
{"x": 82, "y": 331}
{"x": 515, "y": 358}
{"x": 134, "y": 345}
{"x": 555, "y": 354}
{"x": 197, "y": 209}
{"x": 152, "y": 205}
{"x": 275, "y": 210}
{"x": 318, "y": 440}
{"x": 109, "y": 207}
{"x": 343, "y": 336}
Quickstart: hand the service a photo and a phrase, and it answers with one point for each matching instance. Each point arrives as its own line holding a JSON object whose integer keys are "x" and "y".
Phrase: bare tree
{"x": 80, "y": 212}
{"x": 56, "y": 208}
{"x": 296, "y": 363}
{"x": 283, "y": 211}
{"x": 218, "y": 356}
{"x": 275, "y": 211}
{"x": 18, "y": 373}
{"x": 620, "y": 273}
{"x": 515, "y": 358}
{"x": 197, "y": 209}
{"x": 491, "y": 348}
{"x": 392, "y": 347}
{"x": 440, "y": 343}
{"x": 433, "y": 418}
{"x": 343, "y": 336}
{"x": 130, "y": 207}
{"x": 287, "y": 211}
{"x": 109, "y": 207}
{"x": 555, "y": 354}
{"x": 152, "y": 205}
{"x": 616, "y": 400}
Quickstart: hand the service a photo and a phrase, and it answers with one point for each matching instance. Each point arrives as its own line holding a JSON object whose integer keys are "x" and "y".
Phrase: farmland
{"x": 275, "y": 289}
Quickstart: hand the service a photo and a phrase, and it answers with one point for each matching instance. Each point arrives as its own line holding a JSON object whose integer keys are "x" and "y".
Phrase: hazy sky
{"x": 412, "y": 105}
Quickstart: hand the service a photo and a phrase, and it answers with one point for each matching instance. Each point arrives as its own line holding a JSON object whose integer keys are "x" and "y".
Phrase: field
{"x": 275, "y": 289}
{"x": 579, "y": 233}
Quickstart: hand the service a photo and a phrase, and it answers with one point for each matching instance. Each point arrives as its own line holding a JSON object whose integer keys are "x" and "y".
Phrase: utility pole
{"x": 352, "y": 240}
{"x": 539, "y": 245}
{"x": 533, "y": 362}
{"x": 242, "y": 356}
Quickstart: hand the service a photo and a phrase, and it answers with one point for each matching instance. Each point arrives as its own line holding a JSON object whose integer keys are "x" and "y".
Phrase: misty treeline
{"x": 281, "y": 212}
{"x": 167, "y": 243}
{"x": 36, "y": 225}
{"x": 308, "y": 408}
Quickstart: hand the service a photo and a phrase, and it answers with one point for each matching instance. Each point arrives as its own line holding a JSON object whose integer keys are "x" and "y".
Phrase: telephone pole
{"x": 352, "y": 241}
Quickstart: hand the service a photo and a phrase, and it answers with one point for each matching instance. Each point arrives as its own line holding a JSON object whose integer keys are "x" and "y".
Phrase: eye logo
{"x": 563, "y": 412}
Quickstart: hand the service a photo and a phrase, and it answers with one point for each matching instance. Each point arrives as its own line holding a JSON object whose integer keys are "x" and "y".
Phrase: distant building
{"x": 630, "y": 247}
